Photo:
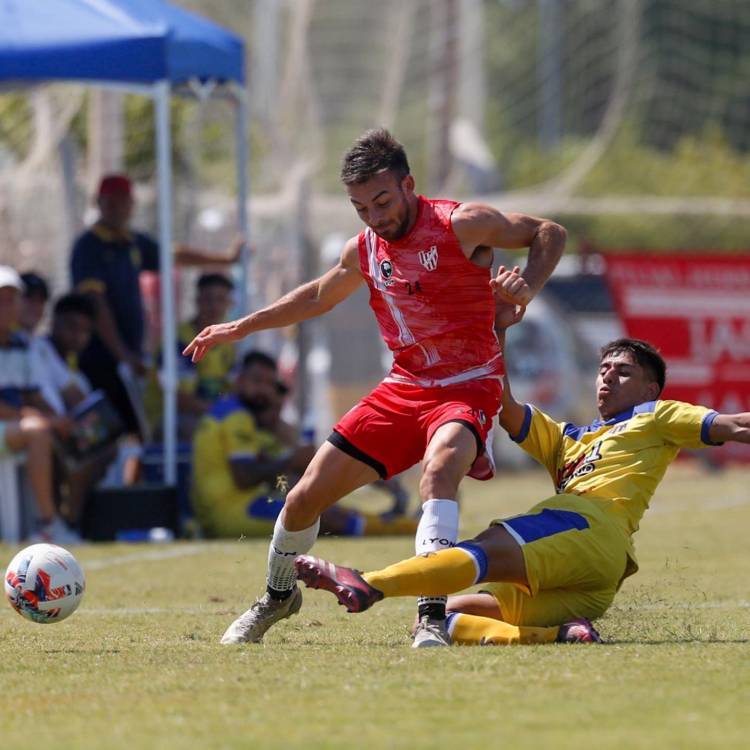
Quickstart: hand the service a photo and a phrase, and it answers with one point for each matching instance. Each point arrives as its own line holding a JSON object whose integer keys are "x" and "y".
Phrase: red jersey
{"x": 435, "y": 308}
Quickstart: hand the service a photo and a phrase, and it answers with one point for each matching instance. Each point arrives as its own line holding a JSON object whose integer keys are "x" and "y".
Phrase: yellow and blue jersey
{"x": 210, "y": 377}
{"x": 616, "y": 463}
{"x": 229, "y": 433}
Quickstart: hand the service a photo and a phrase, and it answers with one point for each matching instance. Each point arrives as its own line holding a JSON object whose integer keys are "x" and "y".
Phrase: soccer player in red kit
{"x": 427, "y": 265}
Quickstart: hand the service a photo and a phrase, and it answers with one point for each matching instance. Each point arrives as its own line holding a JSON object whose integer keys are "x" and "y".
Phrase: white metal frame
{"x": 161, "y": 92}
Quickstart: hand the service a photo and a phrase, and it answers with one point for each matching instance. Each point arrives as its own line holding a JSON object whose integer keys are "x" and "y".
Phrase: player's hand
{"x": 507, "y": 315}
{"x": 510, "y": 286}
{"x": 210, "y": 337}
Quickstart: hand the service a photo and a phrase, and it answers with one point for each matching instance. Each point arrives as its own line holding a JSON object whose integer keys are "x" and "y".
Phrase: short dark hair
{"x": 643, "y": 353}
{"x": 257, "y": 357}
{"x": 374, "y": 152}
{"x": 75, "y": 303}
{"x": 214, "y": 279}
{"x": 34, "y": 285}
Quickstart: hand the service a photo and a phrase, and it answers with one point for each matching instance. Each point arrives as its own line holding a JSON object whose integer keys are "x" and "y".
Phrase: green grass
{"x": 139, "y": 665}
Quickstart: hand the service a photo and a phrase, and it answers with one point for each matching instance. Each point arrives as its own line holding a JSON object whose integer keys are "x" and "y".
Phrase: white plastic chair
{"x": 11, "y": 517}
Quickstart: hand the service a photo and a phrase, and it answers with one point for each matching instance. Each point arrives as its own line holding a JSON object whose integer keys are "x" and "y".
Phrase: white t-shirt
{"x": 52, "y": 373}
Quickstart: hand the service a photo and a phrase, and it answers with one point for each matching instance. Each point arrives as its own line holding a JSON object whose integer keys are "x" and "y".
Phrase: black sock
{"x": 279, "y": 596}
{"x": 434, "y": 610}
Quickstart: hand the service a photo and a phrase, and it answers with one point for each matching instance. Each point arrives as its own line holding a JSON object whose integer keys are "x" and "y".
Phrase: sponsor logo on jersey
{"x": 429, "y": 258}
{"x": 585, "y": 464}
{"x": 386, "y": 269}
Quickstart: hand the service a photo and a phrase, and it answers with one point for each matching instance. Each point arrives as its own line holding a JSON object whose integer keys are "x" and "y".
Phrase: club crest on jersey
{"x": 429, "y": 258}
{"x": 386, "y": 269}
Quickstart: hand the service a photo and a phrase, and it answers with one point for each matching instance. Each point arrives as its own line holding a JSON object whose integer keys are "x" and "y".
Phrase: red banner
{"x": 696, "y": 311}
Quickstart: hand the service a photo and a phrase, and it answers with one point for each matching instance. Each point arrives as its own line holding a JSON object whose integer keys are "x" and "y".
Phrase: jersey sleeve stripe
{"x": 525, "y": 427}
{"x": 708, "y": 420}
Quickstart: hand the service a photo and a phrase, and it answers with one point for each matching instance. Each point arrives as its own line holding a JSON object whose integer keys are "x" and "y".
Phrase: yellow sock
{"x": 434, "y": 574}
{"x": 472, "y": 630}
{"x": 379, "y": 526}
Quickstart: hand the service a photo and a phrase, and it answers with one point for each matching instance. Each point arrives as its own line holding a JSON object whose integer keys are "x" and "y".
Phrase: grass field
{"x": 139, "y": 666}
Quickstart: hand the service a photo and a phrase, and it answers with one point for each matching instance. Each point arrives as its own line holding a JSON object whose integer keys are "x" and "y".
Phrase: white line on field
{"x": 136, "y": 611}
{"x": 222, "y": 610}
{"x": 155, "y": 555}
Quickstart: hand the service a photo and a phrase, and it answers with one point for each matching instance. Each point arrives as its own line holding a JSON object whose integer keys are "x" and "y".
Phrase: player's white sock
{"x": 285, "y": 546}
{"x": 438, "y": 529}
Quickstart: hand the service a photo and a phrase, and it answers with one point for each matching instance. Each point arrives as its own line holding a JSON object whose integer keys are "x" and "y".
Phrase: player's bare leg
{"x": 493, "y": 555}
{"x": 33, "y": 435}
{"x": 331, "y": 475}
{"x": 448, "y": 457}
{"x": 482, "y": 623}
{"x": 482, "y": 604}
{"x": 450, "y": 570}
{"x": 485, "y": 624}
{"x": 473, "y": 619}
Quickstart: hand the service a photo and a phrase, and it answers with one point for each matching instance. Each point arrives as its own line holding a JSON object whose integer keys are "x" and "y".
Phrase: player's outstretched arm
{"x": 512, "y": 413}
{"x": 477, "y": 224}
{"x": 730, "y": 428}
{"x": 307, "y": 301}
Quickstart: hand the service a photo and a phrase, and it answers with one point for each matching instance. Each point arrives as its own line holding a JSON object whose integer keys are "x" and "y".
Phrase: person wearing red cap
{"x": 106, "y": 263}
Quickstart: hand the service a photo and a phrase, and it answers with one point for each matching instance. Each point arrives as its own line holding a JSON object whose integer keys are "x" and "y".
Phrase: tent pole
{"x": 241, "y": 153}
{"x": 162, "y": 93}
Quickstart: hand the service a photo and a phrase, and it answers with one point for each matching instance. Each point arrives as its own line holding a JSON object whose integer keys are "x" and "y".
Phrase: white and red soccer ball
{"x": 44, "y": 583}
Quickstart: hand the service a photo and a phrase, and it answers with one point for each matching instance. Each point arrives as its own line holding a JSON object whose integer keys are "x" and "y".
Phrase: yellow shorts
{"x": 225, "y": 515}
{"x": 576, "y": 557}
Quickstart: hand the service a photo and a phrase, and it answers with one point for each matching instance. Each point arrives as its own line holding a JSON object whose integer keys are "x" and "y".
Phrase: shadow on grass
{"x": 674, "y": 641}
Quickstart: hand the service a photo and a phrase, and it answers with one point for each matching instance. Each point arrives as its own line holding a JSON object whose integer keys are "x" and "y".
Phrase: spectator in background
{"x": 63, "y": 385}
{"x": 106, "y": 263}
{"x": 241, "y": 448}
{"x": 33, "y": 302}
{"x": 200, "y": 383}
{"x": 64, "y": 388}
{"x": 27, "y": 423}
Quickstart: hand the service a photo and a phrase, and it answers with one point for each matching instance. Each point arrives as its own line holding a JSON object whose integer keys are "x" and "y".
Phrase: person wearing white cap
{"x": 25, "y": 421}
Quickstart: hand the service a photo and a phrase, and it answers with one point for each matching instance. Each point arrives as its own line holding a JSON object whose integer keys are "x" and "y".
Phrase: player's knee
{"x": 302, "y": 507}
{"x": 36, "y": 428}
{"x": 482, "y": 604}
{"x": 441, "y": 475}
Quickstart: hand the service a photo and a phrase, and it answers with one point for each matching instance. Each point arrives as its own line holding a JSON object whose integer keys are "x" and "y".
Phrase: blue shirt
{"x": 108, "y": 262}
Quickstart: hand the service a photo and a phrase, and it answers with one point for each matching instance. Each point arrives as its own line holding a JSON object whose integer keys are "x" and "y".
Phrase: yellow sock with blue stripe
{"x": 472, "y": 630}
{"x": 432, "y": 574}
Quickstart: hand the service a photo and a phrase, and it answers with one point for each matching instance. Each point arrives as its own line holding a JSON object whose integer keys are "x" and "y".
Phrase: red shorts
{"x": 391, "y": 428}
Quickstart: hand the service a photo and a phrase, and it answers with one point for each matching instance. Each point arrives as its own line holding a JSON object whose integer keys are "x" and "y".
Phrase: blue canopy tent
{"x": 143, "y": 46}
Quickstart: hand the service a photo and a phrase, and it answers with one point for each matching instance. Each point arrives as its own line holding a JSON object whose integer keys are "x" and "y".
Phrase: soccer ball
{"x": 44, "y": 583}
